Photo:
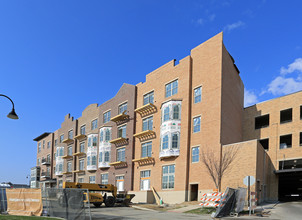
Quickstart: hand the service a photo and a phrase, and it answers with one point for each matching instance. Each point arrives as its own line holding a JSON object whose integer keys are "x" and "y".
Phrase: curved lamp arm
{"x": 12, "y": 114}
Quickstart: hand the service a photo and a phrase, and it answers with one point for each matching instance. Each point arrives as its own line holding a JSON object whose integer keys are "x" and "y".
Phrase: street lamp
{"x": 12, "y": 114}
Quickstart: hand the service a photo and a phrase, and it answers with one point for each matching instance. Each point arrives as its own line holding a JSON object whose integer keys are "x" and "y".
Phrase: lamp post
{"x": 12, "y": 114}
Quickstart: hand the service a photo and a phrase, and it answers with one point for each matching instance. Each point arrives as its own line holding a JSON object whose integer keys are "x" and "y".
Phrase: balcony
{"x": 79, "y": 171}
{"x": 146, "y": 109}
{"x": 145, "y": 135}
{"x": 45, "y": 162}
{"x": 45, "y": 175}
{"x": 79, "y": 154}
{"x": 119, "y": 141}
{"x": 120, "y": 118}
{"x": 68, "y": 157}
{"x": 59, "y": 173}
{"x": 67, "y": 141}
{"x": 91, "y": 168}
{"x": 118, "y": 164}
{"x": 168, "y": 153}
{"x": 67, "y": 173}
{"x": 103, "y": 165}
{"x": 144, "y": 161}
{"x": 80, "y": 137}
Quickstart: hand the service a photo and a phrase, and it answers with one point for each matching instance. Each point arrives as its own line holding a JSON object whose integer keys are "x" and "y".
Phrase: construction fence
{"x": 63, "y": 203}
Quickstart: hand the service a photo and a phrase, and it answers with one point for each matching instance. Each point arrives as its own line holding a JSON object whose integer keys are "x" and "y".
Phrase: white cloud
{"x": 250, "y": 98}
{"x": 233, "y": 26}
{"x": 200, "y": 21}
{"x": 282, "y": 85}
{"x": 212, "y": 17}
{"x": 295, "y": 66}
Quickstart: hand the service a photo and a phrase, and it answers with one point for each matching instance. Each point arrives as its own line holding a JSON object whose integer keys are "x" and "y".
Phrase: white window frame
{"x": 148, "y": 146}
{"x": 94, "y": 124}
{"x": 149, "y": 123}
{"x": 123, "y": 108}
{"x": 106, "y": 116}
{"x": 168, "y": 175}
{"x": 195, "y": 125}
{"x": 144, "y": 178}
{"x": 123, "y": 154}
{"x": 173, "y": 90}
{"x": 195, "y": 155}
{"x": 147, "y": 98}
{"x": 104, "y": 180}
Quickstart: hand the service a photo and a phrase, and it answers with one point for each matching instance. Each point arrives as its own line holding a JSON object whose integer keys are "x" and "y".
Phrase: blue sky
{"x": 57, "y": 57}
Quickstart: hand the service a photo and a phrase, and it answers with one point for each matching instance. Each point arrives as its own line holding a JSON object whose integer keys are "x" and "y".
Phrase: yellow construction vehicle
{"x": 98, "y": 193}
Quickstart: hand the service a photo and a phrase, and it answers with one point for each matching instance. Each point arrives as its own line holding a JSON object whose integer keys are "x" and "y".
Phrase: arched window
{"x": 106, "y": 156}
{"x": 174, "y": 141}
{"x": 88, "y": 161}
{"x": 107, "y": 138}
{"x": 176, "y": 112}
{"x": 165, "y": 142}
{"x": 166, "y": 114}
{"x": 101, "y": 157}
{"x": 93, "y": 160}
{"x": 101, "y": 136}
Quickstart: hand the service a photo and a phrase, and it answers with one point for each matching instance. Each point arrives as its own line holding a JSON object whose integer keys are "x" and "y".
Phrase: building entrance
{"x": 194, "y": 192}
{"x": 290, "y": 186}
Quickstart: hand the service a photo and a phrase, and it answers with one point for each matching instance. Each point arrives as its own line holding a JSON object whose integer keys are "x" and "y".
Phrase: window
{"x": 83, "y": 129}
{"x": 122, "y": 108}
{"x": 82, "y": 147}
{"x": 80, "y": 180}
{"x": 119, "y": 183}
{"x": 165, "y": 142}
{"x": 91, "y": 179}
{"x": 106, "y": 117}
{"x": 147, "y": 149}
{"x": 48, "y": 158}
{"x": 171, "y": 88}
{"x": 195, "y": 154}
{"x": 94, "y": 124}
{"x": 69, "y": 167}
{"x": 61, "y": 152}
{"x": 43, "y": 144}
{"x": 101, "y": 136}
{"x": 168, "y": 177}
{"x": 81, "y": 164}
{"x": 176, "y": 112}
{"x": 60, "y": 167}
{"x": 70, "y": 134}
{"x": 145, "y": 179}
{"x": 301, "y": 112}
{"x": 101, "y": 157}
{"x": 122, "y": 131}
{"x": 93, "y": 160}
{"x": 166, "y": 114}
{"x": 61, "y": 138}
{"x": 121, "y": 154}
{"x": 196, "y": 124}
{"x": 60, "y": 185}
{"x": 175, "y": 141}
{"x": 38, "y": 162}
{"x": 300, "y": 139}
{"x": 39, "y": 147}
{"x": 107, "y": 157}
{"x": 290, "y": 164}
{"x": 104, "y": 178}
{"x": 88, "y": 160}
{"x": 261, "y": 121}
{"x": 286, "y": 115}
{"x": 264, "y": 143}
{"x": 286, "y": 141}
{"x": 56, "y": 142}
{"x": 149, "y": 98}
{"x": 148, "y": 124}
{"x": 48, "y": 144}
{"x": 197, "y": 95}
{"x": 69, "y": 151}
{"x": 108, "y": 135}
{"x": 94, "y": 141}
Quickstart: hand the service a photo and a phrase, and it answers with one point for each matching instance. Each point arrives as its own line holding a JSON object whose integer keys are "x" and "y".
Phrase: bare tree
{"x": 217, "y": 166}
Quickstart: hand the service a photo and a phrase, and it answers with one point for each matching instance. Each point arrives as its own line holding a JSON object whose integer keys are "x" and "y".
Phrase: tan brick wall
{"x": 274, "y": 131}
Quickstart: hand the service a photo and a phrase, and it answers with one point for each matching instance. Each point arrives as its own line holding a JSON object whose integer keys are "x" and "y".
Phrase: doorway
{"x": 194, "y": 192}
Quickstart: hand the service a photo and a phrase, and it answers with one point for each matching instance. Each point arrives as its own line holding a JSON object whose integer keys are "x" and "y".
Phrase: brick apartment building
{"x": 153, "y": 134}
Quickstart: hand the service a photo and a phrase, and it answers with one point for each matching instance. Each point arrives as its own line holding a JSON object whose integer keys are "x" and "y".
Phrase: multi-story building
{"x": 155, "y": 135}
{"x": 97, "y": 147}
